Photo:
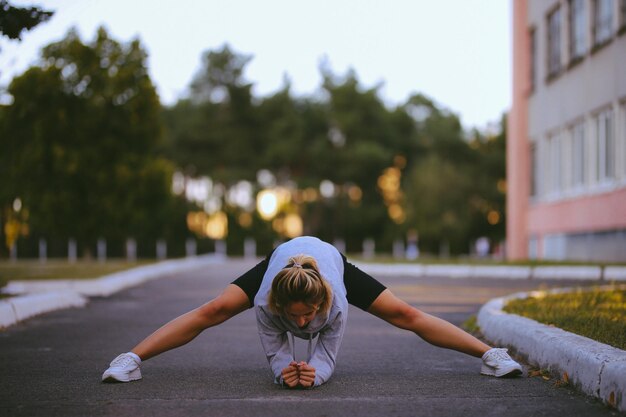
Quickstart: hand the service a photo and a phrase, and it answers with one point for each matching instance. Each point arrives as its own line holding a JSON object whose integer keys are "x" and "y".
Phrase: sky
{"x": 457, "y": 52}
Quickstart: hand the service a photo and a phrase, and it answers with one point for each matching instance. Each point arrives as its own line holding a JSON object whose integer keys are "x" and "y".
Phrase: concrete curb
{"x": 594, "y": 368}
{"x": 23, "y": 307}
{"x": 592, "y": 273}
{"x": 49, "y": 295}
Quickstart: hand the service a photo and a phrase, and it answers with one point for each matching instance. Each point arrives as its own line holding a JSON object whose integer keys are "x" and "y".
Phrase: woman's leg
{"x": 185, "y": 328}
{"x": 434, "y": 330}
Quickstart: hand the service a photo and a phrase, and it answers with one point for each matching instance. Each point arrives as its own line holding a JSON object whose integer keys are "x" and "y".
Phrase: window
{"x": 605, "y": 146}
{"x": 577, "y": 29}
{"x": 554, "y": 43}
{"x": 556, "y": 161}
{"x": 532, "y": 41}
{"x": 622, "y": 14}
{"x": 602, "y": 21}
{"x": 578, "y": 155}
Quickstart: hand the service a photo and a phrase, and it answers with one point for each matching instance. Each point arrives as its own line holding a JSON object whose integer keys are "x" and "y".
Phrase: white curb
{"x": 20, "y": 308}
{"x": 596, "y": 369}
{"x": 49, "y": 295}
{"x": 591, "y": 273}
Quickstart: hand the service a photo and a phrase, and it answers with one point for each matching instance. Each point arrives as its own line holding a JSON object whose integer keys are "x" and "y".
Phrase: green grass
{"x": 598, "y": 314}
{"x": 61, "y": 269}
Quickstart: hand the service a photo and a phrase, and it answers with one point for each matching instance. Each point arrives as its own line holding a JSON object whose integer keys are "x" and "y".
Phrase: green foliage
{"x": 599, "y": 314}
{"x": 91, "y": 153}
{"x": 82, "y": 135}
{"x": 14, "y": 20}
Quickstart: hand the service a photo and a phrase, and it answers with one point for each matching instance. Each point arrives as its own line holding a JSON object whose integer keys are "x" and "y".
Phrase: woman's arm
{"x": 275, "y": 344}
{"x": 185, "y": 328}
{"x": 324, "y": 356}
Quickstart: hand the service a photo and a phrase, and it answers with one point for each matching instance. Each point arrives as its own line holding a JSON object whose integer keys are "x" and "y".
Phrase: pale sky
{"x": 457, "y": 52}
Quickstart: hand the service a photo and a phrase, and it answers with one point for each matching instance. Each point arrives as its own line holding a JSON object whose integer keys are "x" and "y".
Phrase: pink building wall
{"x": 597, "y": 213}
{"x": 517, "y": 151}
{"x": 553, "y": 105}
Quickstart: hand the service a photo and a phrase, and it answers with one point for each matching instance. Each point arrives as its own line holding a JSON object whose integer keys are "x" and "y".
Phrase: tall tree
{"x": 82, "y": 133}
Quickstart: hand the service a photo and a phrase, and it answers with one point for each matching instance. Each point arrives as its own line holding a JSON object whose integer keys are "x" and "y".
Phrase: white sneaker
{"x": 498, "y": 363}
{"x": 124, "y": 368}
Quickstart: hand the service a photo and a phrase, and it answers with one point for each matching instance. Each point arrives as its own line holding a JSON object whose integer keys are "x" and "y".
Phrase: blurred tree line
{"x": 89, "y": 152}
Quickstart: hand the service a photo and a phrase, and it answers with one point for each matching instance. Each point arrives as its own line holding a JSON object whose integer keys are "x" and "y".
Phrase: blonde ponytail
{"x": 300, "y": 281}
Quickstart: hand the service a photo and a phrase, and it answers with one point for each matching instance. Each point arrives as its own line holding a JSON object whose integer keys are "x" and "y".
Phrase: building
{"x": 566, "y": 150}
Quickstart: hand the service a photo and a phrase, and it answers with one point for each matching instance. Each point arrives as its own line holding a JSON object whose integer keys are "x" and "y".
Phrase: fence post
{"x": 131, "y": 250}
{"x": 102, "y": 250}
{"x": 369, "y": 248}
{"x": 161, "y": 249}
{"x": 249, "y": 248}
{"x": 398, "y": 249}
{"x": 191, "y": 248}
{"x": 43, "y": 250}
{"x": 220, "y": 247}
{"x": 71, "y": 251}
{"x": 14, "y": 252}
{"x": 340, "y": 245}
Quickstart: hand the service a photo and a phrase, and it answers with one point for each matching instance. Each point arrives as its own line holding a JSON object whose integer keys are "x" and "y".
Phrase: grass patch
{"x": 61, "y": 269}
{"x": 471, "y": 325}
{"x": 598, "y": 314}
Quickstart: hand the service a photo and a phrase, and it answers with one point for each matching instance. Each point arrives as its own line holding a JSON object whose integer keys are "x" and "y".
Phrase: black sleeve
{"x": 362, "y": 289}
{"x": 250, "y": 281}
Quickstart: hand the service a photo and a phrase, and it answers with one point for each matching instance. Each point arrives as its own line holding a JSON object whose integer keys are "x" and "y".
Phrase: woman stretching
{"x": 306, "y": 296}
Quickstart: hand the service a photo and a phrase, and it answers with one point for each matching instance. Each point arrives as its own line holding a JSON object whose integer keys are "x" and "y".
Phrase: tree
{"x": 14, "y": 20}
{"x": 82, "y": 135}
{"x": 215, "y": 132}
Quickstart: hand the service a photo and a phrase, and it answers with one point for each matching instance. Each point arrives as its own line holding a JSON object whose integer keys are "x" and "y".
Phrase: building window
{"x": 605, "y": 146}
{"x": 578, "y": 155}
{"x": 554, "y": 42}
{"x": 622, "y": 16}
{"x": 532, "y": 41}
{"x": 556, "y": 163}
{"x": 602, "y": 21}
{"x": 577, "y": 26}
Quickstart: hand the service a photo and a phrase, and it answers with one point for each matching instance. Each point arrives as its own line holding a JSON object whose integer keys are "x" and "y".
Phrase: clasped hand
{"x": 299, "y": 374}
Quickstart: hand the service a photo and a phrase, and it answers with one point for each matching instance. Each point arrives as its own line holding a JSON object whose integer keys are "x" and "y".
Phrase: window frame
{"x": 605, "y": 146}
{"x": 577, "y": 24}
{"x": 602, "y": 18}
{"x": 579, "y": 163}
{"x": 554, "y": 52}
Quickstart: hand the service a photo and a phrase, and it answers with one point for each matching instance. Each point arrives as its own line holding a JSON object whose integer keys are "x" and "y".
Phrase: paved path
{"x": 51, "y": 365}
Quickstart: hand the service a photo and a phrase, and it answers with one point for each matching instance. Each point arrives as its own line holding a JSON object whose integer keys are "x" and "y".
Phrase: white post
{"x": 131, "y": 250}
{"x": 191, "y": 248}
{"x": 220, "y": 247}
{"x": 249, "y": 248}
{"x": 161, "y": 249}
{"x": 369, "y": 248}
{"x": 398, "y": 249}
{"x": 102, "y": 250}
{"x": 71, "y": 251}
{"x": 43, "y": 250}
{"x": 14, "y": 252}
{"x": 340, "y": 245}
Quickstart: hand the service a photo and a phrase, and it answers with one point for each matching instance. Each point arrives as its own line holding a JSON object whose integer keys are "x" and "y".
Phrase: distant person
{"x": 306, "y": 296}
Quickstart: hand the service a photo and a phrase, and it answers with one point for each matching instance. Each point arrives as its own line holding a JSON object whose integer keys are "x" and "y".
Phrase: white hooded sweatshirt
{"x": 274, "y": 329}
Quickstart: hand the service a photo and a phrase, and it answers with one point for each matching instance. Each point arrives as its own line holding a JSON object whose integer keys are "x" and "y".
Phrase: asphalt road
{"x": 51, "y": 365}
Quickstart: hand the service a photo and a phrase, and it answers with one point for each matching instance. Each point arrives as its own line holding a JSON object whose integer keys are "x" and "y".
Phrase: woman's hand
{"x": 306, "y": 374}
{"x": 290, "y": 375}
